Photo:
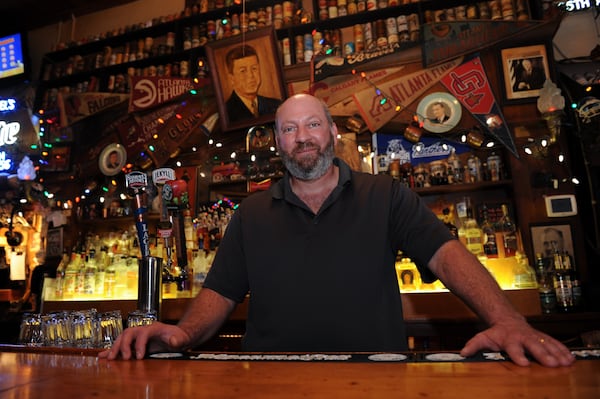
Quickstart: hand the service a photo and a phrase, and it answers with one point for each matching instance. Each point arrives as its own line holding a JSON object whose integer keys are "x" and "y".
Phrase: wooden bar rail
{"x": 64, "y": 374}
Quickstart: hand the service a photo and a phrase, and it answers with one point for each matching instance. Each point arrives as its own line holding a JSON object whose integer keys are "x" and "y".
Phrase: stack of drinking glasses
{"x": 79, "y": 329}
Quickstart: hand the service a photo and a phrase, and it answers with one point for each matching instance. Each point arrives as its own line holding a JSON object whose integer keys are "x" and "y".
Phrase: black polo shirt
{"x": 325, "y": 281}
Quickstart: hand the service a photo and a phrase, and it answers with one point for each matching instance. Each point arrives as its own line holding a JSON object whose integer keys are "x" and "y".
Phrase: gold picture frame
{"x": 260, "y": 47}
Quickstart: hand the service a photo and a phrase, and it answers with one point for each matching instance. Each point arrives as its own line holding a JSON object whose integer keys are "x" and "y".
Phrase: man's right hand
{"x": 135, "y": 342}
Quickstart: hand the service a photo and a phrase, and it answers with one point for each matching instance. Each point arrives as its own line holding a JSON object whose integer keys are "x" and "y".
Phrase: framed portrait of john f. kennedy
{"x": 247, "y": 77}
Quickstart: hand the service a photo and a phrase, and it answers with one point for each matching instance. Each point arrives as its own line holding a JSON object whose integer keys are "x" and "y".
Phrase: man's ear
{"x": 334, "y": 132}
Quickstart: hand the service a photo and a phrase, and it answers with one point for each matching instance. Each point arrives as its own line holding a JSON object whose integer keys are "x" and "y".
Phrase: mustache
{"x": 304, "y": 146}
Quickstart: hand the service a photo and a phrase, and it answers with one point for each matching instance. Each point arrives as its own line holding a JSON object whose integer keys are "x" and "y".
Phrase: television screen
{"x": 12, "y": 56}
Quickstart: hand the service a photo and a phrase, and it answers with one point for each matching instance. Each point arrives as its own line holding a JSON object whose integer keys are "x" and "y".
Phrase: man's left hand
{"x": 517, "y": 339}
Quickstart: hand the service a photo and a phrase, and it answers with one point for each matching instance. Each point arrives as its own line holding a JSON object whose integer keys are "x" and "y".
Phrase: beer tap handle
{"x": 136, "y": 183}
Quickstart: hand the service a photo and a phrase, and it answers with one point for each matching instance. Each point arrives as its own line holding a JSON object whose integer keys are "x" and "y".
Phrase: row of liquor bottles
{"x": 558, "y": 283}
{"x": 106, "y": 265}
{"x": 82, "y": 276}
{"x": 555, "y": 276}
{"x": 489, "y": 239}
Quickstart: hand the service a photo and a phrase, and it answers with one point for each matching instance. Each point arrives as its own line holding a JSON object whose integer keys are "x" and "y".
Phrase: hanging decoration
{"x": 77, "y": 106}
{"x": 151, "y": 91}
{"x": 378, "y": 109}
{"x": 337, "y": 88}
{"x": 468, "y": 82}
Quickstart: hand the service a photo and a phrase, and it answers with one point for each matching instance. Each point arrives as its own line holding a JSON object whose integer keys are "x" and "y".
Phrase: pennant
{"x": 447, "y": 40}
{"x": 75, "y": 107}
{"x": 469, "y": 84}
{"x": 137, "y": 131}
{"x": 189, "y": 117}
{"x": 150, "y": 91}
{"x": 336, "y": 88}
{"x": 402, "y": 91}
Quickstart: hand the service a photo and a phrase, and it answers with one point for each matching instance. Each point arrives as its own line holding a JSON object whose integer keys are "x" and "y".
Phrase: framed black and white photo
{"x": 525, "y": 70}
{"x": 548, "y": 238}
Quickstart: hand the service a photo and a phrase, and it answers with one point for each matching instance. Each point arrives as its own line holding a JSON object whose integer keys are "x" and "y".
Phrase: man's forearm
{"x": 465, "y": 276}
{"x": 205, "y": 315}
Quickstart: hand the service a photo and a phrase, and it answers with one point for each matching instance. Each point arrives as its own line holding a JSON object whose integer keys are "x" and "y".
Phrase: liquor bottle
{"x": 563, "y": 286}
{"x": 456, "y": 165}
{"x": 490, "y": 246}
{"x": 101, "y": 264}
{"x": 110, "y": 279}
{"x": 89, "y": 279}
{"x": 59, "y": 282}
{"x": 508, "y": 231}
{"x": 474, "y": 237}
{"x": 132, "y": 275}
{"x": 523, "y": 275}
{"x": 448, "y": 222}
{"x": 71, "y": 275}
{"x": 545, "y": 285}
{"x": 576, "y": 291}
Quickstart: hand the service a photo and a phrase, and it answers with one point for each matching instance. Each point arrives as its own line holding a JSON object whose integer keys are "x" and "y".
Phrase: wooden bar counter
{"x": 68, "y": 374}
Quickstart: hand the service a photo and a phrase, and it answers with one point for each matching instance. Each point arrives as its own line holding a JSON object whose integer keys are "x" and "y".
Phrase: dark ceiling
{"x": 25, "y": 15}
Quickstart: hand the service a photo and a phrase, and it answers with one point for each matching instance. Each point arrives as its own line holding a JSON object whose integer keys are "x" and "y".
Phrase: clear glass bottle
{"x": 59, "y": 281}
{"x": 545, "y": 284}
{"x": 71, "y": 272}
{"x": 563, "y": 284}
{"x": 508, "y": 229}
{"x": 89, "y": 278}
{"x": 456, "y": 165}
{"x": 523, "y": 274}
{"x": 110, "y": 279}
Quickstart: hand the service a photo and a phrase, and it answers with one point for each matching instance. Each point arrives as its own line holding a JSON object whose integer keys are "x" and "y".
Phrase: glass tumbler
{"x": 110, "y": 326}
{"x": 30, "y": 333}
{"x": 84, "y": 328}
{"x": 141, "y": 318}
{"x": 56, "y": 329}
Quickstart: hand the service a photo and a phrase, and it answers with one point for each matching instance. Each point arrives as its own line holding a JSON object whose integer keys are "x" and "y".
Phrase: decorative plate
{"x": 112, "y": 159}
{"x": 439, "y": 112}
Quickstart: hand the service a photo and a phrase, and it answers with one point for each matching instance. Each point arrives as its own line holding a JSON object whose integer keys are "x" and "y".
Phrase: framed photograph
{"x": 260, "y": 138}
{"x": 54, "y": 243}
{"x": 548, "y": 238}
{"x": 247, "y": 77}
{"x": 525, "y": 70}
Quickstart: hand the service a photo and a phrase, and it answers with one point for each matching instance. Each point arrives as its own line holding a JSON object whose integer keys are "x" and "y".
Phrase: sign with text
{"x": 401, "y": 91}
{"x": 150, "y": 91}
{"x": 77, "y": 106}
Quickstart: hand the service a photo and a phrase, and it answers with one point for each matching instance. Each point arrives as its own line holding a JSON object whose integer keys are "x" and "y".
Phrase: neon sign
{"x": 9, "y": 104}
{"x": 5, "y": 162}
{"x": 578, "y": 5}
{"x": 9, "y": 132}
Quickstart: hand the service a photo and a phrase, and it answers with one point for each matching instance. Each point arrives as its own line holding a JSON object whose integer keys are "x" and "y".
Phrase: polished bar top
{"x": 64, "y": 374}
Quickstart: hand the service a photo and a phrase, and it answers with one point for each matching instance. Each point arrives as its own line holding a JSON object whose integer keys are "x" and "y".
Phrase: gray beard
{"x": 310, "y": 169}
